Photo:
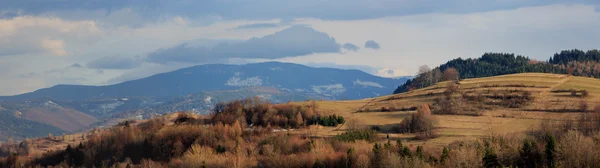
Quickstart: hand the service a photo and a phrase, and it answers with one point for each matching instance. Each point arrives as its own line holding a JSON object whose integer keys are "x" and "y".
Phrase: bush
{"x": 583, "y": 106}
{"x": 584, "y": 93}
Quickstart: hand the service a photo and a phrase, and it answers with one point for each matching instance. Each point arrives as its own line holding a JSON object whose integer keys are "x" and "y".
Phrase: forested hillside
{"x": 574, "y": 62}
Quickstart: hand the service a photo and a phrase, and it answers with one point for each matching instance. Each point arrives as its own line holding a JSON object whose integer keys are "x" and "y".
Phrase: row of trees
{"x": 256, "y": 112}
{"x": 191, "y": 144}
{"x": 567, "y": 56}
{"x": 574, "y": 62}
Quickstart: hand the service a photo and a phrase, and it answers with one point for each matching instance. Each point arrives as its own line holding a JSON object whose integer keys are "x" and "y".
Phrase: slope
{"x": 553, "y": 97}
{"x": 328, "y": 82}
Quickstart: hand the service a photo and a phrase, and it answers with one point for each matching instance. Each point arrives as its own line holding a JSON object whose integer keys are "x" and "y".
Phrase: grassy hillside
{"x": 551, "y": 101}
{"x": 524, "y": 120}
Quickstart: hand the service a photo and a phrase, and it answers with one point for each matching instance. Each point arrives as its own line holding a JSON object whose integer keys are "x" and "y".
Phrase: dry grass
{"x": 452, "y": 128}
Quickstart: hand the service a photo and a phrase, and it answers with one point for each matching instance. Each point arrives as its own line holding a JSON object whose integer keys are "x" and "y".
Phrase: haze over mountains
{"x": 197, "y": 88}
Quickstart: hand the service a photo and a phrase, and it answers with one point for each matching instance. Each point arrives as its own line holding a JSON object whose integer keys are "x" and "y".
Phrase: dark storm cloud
{"x": 291, "y": 42}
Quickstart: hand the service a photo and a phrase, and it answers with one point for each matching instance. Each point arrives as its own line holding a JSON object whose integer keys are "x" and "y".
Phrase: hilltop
{"x": 503, "y": 114}
{"x": 572, "y": 62}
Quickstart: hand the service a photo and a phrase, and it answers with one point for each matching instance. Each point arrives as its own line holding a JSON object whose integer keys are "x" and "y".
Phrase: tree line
{"x": 573, "y": 62}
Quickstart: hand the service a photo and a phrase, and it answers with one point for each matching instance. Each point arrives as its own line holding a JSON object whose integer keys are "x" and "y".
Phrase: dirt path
{"x": 548, "y": 90}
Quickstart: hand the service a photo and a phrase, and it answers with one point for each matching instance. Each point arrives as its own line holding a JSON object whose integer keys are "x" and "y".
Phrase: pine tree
{"x": 445, "y": 155}
{"x": 550, "y": 151}
{"x": 420, "y": 152}
{"x": 490, "y": 159}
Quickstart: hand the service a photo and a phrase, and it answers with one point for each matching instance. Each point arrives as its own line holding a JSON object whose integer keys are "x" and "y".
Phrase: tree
{"x": 451, "y": 74}
{"x": 298, "y": 120}
{"x": 436, "y": 75}
{"x": 424, "y": 73}
{"x": 445, "y": 155}
{"x": 420, "y": 152}
{"x": 421, "y": 122}
{"x": 550, "y": 151}
{"x": 424, "y": 69}
{"x": 490, "y": 159}
{"x": 529, "y": 156}
{"x": 237, "y": 128}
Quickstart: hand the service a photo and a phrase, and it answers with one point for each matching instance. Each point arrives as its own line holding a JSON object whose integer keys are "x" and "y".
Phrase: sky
{"x": 92, "y": 42}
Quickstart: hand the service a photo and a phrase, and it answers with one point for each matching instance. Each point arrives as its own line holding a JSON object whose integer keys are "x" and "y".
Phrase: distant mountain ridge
{"x": 351, "y": 84}
{"x": 68, "y": 108}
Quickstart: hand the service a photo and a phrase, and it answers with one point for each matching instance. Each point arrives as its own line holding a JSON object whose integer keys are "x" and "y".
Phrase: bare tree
{"x": 451, "y": 74}
{"x": 436, "y": 75}
{"x": 424, "y": 69}
{"x": 424, "y": 73}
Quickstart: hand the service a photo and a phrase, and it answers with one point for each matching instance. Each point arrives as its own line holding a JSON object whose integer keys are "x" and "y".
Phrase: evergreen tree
{"x": 529, "y": 156}
{"x": 550, "y": 151}
{"x": 490, "y": 159}
{"x": 445, "y": 155}
{"x": 420, "y": 152}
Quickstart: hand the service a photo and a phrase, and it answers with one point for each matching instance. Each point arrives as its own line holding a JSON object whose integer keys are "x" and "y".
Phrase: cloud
{"x": 269, "y": 9}
{"x": 258, "y": 26}
{"x": 114, "y": 63}
{"x": 364, "y": 68}
{"x": 350, "y": 47}
{"x": 43, "y": 35}
{"x": 290, "y": 42}
{"x": 372, "y": 44}
{"x": 76, "y": 65}
{"x": 182, "y": 53}
{"x": 433, "y": 39}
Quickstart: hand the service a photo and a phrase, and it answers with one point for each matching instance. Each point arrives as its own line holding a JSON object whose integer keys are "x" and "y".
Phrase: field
{"x": 551, "y": 102}
{"x": 510, "y": 106}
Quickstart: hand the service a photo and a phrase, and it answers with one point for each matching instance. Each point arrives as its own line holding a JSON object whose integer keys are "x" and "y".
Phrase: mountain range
{"x": 67, "y": 108}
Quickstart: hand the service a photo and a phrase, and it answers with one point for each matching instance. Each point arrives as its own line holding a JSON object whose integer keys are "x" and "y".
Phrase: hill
{"x": 574, "y": 62}
{"x": 70, "y": 108}
{"x": 507, "y": 118}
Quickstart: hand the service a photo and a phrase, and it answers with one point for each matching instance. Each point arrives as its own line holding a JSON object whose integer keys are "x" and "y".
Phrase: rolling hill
{"x": 556, "y": 98}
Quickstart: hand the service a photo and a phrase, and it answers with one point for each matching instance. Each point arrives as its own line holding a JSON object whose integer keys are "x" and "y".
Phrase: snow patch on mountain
{"x": 105, "y": 108}
{"x": 329, "y": 89}
{"x": 237, "y": 81}
{"x": 367, "y": 84}
{"x": 207, "y": 100}
{"x": 51, "y": 104}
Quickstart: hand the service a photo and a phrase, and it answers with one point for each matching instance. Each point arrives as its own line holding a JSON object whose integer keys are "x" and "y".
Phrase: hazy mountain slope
{"x": 13, "y": 125}
{"x": 349, "y": 84}
{"x": 197, "y": 88}
{"x": 65, "y": 119}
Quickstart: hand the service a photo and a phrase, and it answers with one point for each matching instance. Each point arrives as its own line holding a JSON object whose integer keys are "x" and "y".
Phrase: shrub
{"x": 573, "y": 93}
{"x": 584, "y": 93}
{"x": 583, "y": 106}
